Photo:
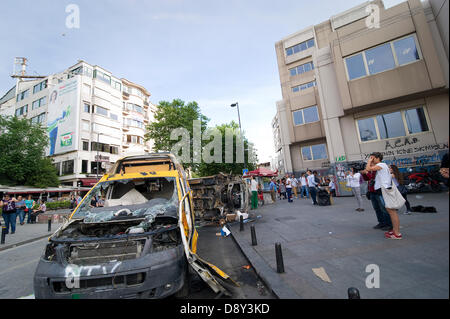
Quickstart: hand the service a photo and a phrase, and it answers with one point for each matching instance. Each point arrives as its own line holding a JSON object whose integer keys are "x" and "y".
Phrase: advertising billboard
{"x": 63, "y": 116}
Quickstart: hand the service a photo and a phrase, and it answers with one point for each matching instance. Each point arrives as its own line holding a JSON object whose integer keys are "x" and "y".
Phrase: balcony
{"x": 126, "y": 127}
{"x": 126, "y": 96}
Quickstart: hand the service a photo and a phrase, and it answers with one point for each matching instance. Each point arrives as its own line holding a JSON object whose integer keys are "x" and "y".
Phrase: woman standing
{"x": 398, "y": 181}
{"x": 354, "y": 179}
{"x": 29, "y": 203}
{"x": 283, "y": 188}
{"x": 383, "y": 179}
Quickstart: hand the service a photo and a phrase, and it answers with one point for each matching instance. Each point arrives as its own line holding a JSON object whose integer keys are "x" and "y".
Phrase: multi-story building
{"x": 92, "y": 117}
{"x": 368, "y": 79}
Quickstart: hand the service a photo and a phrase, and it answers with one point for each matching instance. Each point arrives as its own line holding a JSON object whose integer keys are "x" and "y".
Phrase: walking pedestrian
{"x": 283, "y": 188}
{"x": 354, "y": 180}
{"x": 289, "y": 188}
{"x": 29, "y": 203}
{"x": 312, "y": 184}
{"x": 304, "y": 184}
{"x": 397, "y": 178}
{"x": 8, "y": 205}
{"x": 384, "y": 220}
{"x": 254, "y": 190}
{"x": 20, "y": 209}
{"x": 73, "y": 201}
{"x": 332, "y": 187}
{"x": 273, "y": 189}
{"x": 294, "y": 183}
{"x": 383, "y": 179}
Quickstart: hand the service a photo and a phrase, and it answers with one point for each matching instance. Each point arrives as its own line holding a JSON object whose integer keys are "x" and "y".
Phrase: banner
{"x": 63, "y": 113}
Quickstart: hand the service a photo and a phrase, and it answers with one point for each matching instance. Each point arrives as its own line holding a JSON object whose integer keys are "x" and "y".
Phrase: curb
{"x": 265, "y": 272}
{"x": 24, "y": 242}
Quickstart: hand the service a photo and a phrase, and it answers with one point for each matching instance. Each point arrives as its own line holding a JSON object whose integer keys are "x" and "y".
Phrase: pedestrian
{"x": 79, "y": 199}
{"x": 332, "y": 187}
{"x": 289, "y": 188}
{"x": 260, "y": 195}
{"x": 283, "y": 188}
{"x": 8, "y": 205}
{"x": 384, "y": 220}
{"x": 254, "y": 190}
{"x": 304, "y": 184}
{"x": 294, "y": 183}
{"x": 444, "y": 170}
{"x": 354, "y": 179}
{"x": 397, "y": 178}
{"x": 73, "y": 201}
{"x": 312, "y": 184}
{"x": 101, "y": 202}
{"x": 93, "y": 202}
{"x": 273, "y": 189}
{"x": 383, "y": 179}
{"x": 20, "y": 209}
{"x": 29, "y": 203}
{"x": 36, "y": 212}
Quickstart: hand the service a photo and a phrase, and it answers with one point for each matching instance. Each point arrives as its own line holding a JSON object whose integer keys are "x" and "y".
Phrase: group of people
{"x": 305, "y": 187}
{"x": 13, "y": 207}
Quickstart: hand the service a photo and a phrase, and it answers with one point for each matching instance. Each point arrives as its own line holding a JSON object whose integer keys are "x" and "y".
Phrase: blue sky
{"x": 214, "y": 52}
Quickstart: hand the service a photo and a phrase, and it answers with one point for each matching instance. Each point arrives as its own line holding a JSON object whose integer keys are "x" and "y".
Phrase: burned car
{"x": 139, "y": 244}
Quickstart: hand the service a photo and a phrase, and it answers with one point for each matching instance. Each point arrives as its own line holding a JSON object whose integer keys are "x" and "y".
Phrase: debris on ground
{"x": 246, "y": 267}
{"x": 321, "y": 273}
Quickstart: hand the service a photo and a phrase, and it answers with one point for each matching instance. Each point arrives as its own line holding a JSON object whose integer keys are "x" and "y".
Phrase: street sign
{"x": 245, "y": 171}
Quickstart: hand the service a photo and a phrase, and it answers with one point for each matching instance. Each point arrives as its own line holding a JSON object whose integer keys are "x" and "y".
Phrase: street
{"x": 19, "y": 263}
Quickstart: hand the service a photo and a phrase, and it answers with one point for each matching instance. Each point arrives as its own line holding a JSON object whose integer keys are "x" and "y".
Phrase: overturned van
{"x": 139, "y": 244}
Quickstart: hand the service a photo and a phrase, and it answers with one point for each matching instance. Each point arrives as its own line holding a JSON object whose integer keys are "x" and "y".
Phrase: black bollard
{"x": 241, "y": 223}
{"x": 279, "y": 256}
{"x": 353, "y": 293}
{"x": 3, "y": 235}
{"x": 49, "y": 224}
{"x": 254, "y": 242}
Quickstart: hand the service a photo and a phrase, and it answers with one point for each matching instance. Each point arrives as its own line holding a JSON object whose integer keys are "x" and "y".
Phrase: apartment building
{"x": 92, "y": 117}
{"x": 365, "y": 80}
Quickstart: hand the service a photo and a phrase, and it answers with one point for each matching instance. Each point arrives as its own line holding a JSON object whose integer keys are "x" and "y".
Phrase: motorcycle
{"x": 424, "y": 182}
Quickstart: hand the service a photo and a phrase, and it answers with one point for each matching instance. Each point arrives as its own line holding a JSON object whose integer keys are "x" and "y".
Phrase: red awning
{"x": 88, "y": 181}
{"x": 263, "y": 172}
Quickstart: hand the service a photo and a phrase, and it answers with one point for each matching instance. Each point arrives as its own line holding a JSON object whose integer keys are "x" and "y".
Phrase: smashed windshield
{"x": 128, "y": 199}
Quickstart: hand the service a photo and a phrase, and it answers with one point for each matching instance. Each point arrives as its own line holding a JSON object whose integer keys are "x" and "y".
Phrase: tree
{"x": 22, "y": 159}
{"x": 170, "y": 116}
{"x": 206, "y": 169}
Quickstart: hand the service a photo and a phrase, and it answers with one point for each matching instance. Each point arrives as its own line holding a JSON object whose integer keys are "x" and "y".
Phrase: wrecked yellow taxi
{"x": 140, "y": 243}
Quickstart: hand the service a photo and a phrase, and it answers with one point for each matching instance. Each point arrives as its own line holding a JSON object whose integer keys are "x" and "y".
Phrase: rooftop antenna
{"x": 20, "y": 70}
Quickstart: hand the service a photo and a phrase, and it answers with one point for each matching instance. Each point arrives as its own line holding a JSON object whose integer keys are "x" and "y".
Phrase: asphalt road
{"x": 17, "y": 267}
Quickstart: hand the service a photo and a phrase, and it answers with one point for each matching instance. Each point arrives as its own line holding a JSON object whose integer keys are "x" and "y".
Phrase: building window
{"x": 85, "y": 146}
{"x": 380, "y": 59}
{"x": 116, "y": 85}
{"x": 135, "y": 108}
{"x": 113, "y": 116}
{"x": 406, "y": 50}
{"x": 38, "y": 103}
{"x": 22, "y": 110}
{"x": 101, "y": 110}
{"x": 314, "y": 152}
{"x": 114, "y": 150}
{"x": 102, "y": 76}
{"x": 386, "y": 56}
{"x": 306, "y": 115}
{"x": 38, "y": 119}
{"x": 416, "y": 121}
{"x": 367, "y": 130}
{"x": 85, "y": 126}
{"x": 87, "y": 108}
{"x": 391, "y": 125}
{"x": 300, "y": 47}
{"x": 302, "y": 69}
{"x": 57, "y": 167}
{"x": 68, "y": 167}
{"x": 304, "y": 86}
{"x": 22, "y": 95}
{"x": 134, "y": 123}
{"x": 39, "y": 87}
{"x": 84, "y": 166}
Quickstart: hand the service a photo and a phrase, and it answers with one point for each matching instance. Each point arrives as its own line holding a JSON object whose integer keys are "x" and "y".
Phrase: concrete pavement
{"x": 343, "y": 242}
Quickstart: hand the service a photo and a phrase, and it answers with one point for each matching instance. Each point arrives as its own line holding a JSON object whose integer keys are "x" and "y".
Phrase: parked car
{"x": 140, "y": 244}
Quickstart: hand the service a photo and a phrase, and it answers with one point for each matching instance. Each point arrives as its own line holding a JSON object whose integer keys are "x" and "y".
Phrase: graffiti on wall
{"x": 412, "y": 150}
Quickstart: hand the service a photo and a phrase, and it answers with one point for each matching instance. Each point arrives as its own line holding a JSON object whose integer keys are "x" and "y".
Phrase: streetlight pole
{"x": 240, "y": 129}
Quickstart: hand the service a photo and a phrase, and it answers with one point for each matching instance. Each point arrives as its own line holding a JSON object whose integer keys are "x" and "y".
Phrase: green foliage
{"x": 207, "y": 169}
{"x": 22, "y": 158}
{"x": 57, "y": 205}
{"x": 170, "y": 116}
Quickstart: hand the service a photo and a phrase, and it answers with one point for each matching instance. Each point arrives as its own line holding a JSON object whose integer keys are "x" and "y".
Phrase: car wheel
{"x": 184, "y": 291}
